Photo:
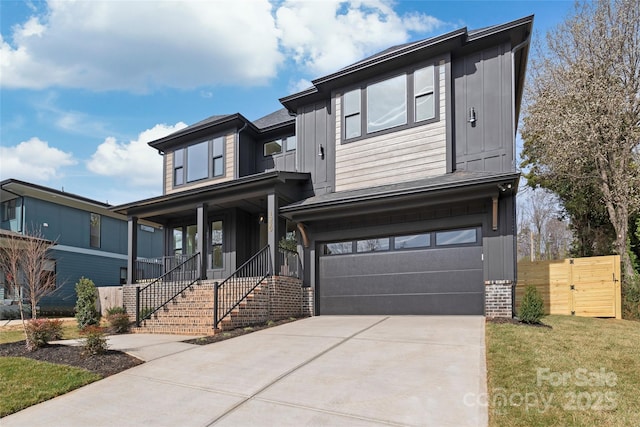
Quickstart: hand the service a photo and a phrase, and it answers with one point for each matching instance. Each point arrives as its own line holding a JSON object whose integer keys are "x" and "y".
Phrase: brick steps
{"x": 191, "y": 313}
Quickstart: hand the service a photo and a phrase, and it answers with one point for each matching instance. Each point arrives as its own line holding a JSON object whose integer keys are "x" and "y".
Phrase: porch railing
{"x": 228, "y": 294}
{"x": 288, "y": 264}
{"x": 152, "y": 268}
{"x": 166, "y": 287}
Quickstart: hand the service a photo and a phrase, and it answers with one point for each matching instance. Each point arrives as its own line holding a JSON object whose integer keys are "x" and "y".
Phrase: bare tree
{"x": 27, "y": 268}
{"x": 542, "y": 232}
{"x": 582, "y": 119}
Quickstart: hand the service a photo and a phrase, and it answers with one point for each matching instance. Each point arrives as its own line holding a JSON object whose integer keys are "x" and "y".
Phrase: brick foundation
{"x": 278, "y": 297}
{"x": 498, "y": 298}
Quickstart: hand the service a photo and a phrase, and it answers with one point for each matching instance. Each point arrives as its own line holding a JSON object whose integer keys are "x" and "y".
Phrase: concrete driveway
{"x": 326, "y": 370}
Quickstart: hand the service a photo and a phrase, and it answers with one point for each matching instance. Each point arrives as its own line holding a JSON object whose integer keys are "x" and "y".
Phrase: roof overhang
{"x": 450, "y": 188}
{"x": 21, "y": 240}
{"x": 238, "y": 192}
{"x": 516, "y": 31}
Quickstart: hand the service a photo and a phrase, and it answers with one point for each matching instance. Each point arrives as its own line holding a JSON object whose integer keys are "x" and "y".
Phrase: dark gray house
{"x": 396, "y": 174}
{"x": 91, "y": 239}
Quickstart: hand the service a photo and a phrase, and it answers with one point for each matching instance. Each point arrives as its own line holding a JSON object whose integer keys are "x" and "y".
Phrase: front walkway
{"x": 326, "y": 370}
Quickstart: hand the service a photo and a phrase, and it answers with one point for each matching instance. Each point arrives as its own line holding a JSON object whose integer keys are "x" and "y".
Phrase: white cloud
{"x": 299, "y": 85}
{"x": 325, "y": 36}
{"x": 33, "y": 160}
{"x": 140, "y": 45}
{"x": 133, "y": 162}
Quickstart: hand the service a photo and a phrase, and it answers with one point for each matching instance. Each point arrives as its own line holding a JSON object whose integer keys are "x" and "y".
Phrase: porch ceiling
{"x": 247, "y": 193}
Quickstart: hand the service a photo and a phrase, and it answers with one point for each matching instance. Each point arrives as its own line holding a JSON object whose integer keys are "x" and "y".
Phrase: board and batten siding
{"x": 229, "y": 168}
{"x": 402, "y": 156}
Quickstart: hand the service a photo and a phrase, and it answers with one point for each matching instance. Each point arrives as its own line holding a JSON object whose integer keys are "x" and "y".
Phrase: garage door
{"x": 436, "y": 272}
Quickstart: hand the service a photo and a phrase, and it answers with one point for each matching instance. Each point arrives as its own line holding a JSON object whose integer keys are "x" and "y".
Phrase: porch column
{"x": 132, "y": 249}
{"x": 273, "y": 228}
{"x": 202, "y": 244}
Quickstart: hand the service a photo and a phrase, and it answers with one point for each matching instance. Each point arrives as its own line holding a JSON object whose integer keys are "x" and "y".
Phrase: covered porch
{"x": 218, "y": 227}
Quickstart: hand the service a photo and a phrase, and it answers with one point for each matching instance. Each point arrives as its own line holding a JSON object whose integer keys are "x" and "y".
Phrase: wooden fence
{"x": 109, "y": 296}
{"x": 588, "y": 287}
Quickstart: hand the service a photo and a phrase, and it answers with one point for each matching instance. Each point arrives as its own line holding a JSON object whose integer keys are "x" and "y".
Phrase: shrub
{"x": 41, "y": 331}
{"x": 116, "y": 310}
{"x": 532, "y": 306}
{"x": 631, "y": 298}
{"x": 119, "y": 323}
{"x": 95, "y": 341}
{"x": 86, "y": 313}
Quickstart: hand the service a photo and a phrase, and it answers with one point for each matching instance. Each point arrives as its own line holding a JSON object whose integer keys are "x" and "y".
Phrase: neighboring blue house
{"x": 91, "y": 240}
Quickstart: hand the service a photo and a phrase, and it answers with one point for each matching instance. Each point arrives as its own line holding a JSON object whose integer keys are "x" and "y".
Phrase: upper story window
{"x": 198, "y": 161}
{"x": 94, "y": 231}
{"x": 277, "y": 146}
{"x": 404, "y": 100}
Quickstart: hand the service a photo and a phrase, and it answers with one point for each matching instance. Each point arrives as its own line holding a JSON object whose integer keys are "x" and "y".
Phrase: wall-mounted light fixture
{"x": 262, "y": 219}
{"x": 504, "y": 187}
{"x": 321, "y": 151}
{"x": 45, "y": 225}
{"x": 472, "y": 116}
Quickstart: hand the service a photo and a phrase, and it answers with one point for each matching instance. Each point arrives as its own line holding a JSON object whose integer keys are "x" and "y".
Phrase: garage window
{"x": 373, "y": 245}
{"x": 337, "y": 248}
{"x": 457, "y": 237}
{"x": 412, "y": 241}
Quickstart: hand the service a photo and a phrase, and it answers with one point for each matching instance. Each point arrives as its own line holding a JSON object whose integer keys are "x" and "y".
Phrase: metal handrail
{"x": 165, "y": 288}
{"x": 235, "y": 288}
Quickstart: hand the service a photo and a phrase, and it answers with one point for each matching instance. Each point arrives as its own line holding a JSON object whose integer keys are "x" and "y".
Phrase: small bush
{"x": 119, "y": 323}
{"x": 86, "y": 313}
{"x": 116, "y": 310}
{"x": 41, "y": 331}
{"x": 95, "y": 341}
{"x": 531, "y": 307}
{"x": 145, "y": 312}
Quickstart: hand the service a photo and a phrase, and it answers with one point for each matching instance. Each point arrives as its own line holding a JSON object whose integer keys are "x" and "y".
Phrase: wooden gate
{"x": 588, "y": 287}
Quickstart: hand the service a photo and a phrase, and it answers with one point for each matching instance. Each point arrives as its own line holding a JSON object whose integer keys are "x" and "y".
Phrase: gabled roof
{"x": 274, "y": 119}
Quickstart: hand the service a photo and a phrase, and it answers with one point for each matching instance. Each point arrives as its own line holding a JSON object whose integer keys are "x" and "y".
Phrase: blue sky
{"x": 84, "y": 85}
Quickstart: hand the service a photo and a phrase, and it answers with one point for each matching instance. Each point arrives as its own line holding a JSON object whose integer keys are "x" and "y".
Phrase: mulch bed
{"x": 105, "y": 364}
{"x": 514, "y": 321}
{"x": 112, "y": 361}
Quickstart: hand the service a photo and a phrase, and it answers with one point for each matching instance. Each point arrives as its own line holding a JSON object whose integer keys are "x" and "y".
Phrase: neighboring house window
{"x": 216, "y": 244}
{"x": 94, "y": 239}
{"x": 9, "y": 210}
{"x": 272, "y": 147}
{"x": 178, "y": 167}
{"x": 199, "y": 161}
{"x": 218, "y": 156}
{"x": 123, "y": 275}
{"x": 403, "y": 100}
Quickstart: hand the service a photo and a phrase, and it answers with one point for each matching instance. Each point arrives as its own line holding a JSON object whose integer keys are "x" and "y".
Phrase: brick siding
{"x": 498, "y": 298}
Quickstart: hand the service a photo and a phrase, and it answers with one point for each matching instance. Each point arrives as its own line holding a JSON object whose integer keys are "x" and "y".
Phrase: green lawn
{"x": 16, "y": 333}
{"x": 25, "y": 382}
{"x": 582, "y": 372}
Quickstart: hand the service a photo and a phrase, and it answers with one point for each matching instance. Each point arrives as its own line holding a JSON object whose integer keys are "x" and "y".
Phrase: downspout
{"x": 516, "y": 48}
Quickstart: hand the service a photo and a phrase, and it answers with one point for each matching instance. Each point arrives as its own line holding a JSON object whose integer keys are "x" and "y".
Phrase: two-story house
{"x": 397, "y": 175}
{"x": 90, "y": 239}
